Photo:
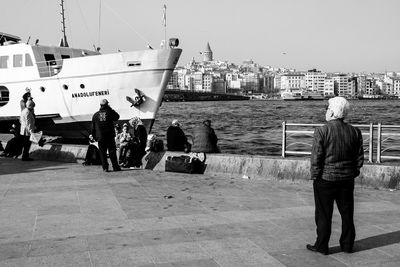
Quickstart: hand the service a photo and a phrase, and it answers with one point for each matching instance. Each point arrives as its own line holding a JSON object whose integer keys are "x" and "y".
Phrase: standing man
{"x": 336, "y": 159}
{"x": 27, "y": 121}
{"x": 104, "y": 133}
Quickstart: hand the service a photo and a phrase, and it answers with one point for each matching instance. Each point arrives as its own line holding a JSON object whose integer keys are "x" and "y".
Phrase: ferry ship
{"x": 67, "y": 84}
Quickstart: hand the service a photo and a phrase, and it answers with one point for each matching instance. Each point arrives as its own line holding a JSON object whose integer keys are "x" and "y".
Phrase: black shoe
{"x": 27, "y": 159}
{"x": 117, "y": 169}
{"x": 314, "y": 249}
{"x": 105, "y": 170}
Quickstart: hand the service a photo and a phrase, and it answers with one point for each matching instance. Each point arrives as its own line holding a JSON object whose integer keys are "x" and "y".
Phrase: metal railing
{"x": 385, "y": 142}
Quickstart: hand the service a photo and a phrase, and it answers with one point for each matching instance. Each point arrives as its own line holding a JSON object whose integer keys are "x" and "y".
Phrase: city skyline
{"x": 332, "y": 36}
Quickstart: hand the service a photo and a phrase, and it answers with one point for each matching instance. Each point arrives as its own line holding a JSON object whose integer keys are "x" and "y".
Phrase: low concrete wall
{"x": 259, "y": 167}
{"x": 255, "y": 167}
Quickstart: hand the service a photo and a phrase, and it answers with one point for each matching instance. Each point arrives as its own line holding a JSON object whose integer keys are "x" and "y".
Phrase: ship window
{"x": 17, "y": 61}
{"x": 65, "y": 56}
{"x": 50, "y": 59}
{"x": 28, "y": 60}
{"x": 3, "y": 62}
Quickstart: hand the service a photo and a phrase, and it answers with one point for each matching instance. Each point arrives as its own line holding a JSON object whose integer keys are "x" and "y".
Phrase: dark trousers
{"x": 135, "y": 154}
{"x": 109, "y": 145}
{"x": 26, "y": 145}
{"x": 325, "y": 193}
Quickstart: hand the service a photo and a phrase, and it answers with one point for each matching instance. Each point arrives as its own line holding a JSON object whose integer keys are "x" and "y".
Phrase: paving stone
{"x": 56, "y": 214}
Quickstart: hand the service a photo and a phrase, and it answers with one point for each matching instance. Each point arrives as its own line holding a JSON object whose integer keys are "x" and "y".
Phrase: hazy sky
{"x": 330, "y": 35}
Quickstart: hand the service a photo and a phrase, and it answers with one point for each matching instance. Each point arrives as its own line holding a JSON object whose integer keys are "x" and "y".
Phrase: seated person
{"x": 14, "y": 145}
{"x": 204, "y": 138}
{"x": 123, "y": 139}
{"x": 93, "y": 153}
{"x": 137, "y": 146}
{"x": 176, "y": 138}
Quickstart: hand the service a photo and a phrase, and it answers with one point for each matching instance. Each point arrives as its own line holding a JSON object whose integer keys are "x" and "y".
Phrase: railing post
{"x": 371, "y": 143}
{"x": 283, "y": 139}
{"x": 379, "y": 144}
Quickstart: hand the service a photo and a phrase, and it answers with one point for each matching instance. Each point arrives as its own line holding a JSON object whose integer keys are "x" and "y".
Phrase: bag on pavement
{"x": 185, "y": 164}
{"x": 35, "y": 137}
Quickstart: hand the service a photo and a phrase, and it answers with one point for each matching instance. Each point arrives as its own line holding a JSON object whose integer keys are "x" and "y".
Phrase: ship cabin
{"x": 33, "y": 61}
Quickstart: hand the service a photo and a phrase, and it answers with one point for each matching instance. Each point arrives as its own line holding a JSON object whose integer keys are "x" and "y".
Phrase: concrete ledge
{"x": 259, "y": 167}
{"x": 255, "y": 167}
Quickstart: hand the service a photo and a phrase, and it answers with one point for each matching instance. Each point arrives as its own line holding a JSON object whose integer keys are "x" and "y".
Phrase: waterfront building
{"x": 361, "y": 84}
{"x": 207, "y": 53}
{"x": 268, "y": 84}
{"x": 353, "y": 86}
{"x": 251, "y": 82}
{"x": 392, "y": 81}
{"x": 329, "y": 87}
{"x": 342, "y": 85}
{"x": 315, "y": 81}
{"x": 291, "y": 81}
{"x": 369, "y": 86}
{"x": 277, "y": 82}
{"x": 173, "y": 81}
{"x": 207, "y": 83}
{"x": 219, "y": 86}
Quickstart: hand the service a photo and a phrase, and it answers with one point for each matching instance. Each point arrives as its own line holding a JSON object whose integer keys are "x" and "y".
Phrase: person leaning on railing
{"x": 336, "y": 159}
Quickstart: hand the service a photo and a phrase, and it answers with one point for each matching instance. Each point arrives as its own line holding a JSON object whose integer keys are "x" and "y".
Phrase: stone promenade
{"x": 65, "y": 214}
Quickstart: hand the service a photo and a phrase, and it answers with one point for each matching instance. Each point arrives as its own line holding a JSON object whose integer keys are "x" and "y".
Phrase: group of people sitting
{"x": 127, "y": 146}
{"x": 204, "y": 138}
{"x": 131, "y": 143}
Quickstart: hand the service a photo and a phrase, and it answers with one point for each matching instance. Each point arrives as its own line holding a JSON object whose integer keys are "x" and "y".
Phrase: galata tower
{"x": 208, "y": 54}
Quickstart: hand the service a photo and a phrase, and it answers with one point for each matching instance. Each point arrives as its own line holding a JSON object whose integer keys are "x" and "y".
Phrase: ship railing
{"x": 297, "y": 140}
{"x": 49, "y": 68}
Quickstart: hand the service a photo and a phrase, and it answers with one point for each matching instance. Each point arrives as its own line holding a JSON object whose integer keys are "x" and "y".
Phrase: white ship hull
{"x": 69, "y": 93}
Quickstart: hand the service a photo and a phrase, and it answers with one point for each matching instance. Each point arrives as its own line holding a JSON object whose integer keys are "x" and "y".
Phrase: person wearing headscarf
{"x": 337, "y": 156}
{"x": 204, "y": 138}
{"x": 25, "y": 97}
{"x": 104, "y": 133}
{"x": 176, "y": 138}
{"x": 137, "y": 147}
{"x": 27, "y": 120}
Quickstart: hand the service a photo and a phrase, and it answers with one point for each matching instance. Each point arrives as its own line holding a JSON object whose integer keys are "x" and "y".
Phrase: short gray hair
{"x": 339, "y": 106}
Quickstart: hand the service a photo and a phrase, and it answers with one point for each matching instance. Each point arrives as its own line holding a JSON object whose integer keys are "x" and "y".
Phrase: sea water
{"x": 255, "y": 126}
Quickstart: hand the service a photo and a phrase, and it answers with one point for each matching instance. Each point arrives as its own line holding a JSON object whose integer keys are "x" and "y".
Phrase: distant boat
{"x": 311, "y": 95}
{"x": 289, "y": 95}
{"x": 67, "y": 84}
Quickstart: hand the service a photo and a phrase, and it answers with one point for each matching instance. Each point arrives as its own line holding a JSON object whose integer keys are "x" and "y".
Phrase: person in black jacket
{"x": 176, "y": 138}
{"x": 104, "y": 133}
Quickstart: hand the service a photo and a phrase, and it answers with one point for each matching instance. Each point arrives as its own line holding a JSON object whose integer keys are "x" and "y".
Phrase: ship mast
{"x": 64, "y": 42}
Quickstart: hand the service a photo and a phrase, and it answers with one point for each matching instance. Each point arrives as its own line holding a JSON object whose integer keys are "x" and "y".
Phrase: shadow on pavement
{"x": 372, "y": 242}
{"x": 13, "y": 166}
